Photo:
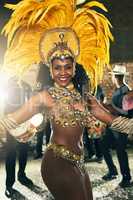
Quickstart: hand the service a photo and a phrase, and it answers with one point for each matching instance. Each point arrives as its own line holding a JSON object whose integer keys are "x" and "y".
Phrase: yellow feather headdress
{"x": 32, "y": 19}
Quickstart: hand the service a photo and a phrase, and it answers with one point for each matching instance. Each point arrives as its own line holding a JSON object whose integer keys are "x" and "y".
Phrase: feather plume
{"x": 31, "y": 18}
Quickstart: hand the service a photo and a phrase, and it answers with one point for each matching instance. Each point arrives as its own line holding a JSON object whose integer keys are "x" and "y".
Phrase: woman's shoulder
{"x": 46, "y": 98}
{"x": 44, "y": 92}
{"x": 40, "y": 96}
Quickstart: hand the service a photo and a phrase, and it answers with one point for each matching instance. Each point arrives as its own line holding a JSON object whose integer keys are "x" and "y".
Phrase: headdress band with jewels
{"x": 59, "y": 43}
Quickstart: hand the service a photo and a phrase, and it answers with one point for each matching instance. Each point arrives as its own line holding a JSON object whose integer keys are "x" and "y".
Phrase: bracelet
{"x": 6, "y": 124}
{"x": 122, "y": 124}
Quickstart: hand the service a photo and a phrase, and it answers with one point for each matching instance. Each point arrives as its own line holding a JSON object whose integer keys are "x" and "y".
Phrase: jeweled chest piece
{"x": 63, "y": 112}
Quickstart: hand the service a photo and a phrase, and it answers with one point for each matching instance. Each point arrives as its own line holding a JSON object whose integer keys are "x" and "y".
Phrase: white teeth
{"x": 63, "y": 79}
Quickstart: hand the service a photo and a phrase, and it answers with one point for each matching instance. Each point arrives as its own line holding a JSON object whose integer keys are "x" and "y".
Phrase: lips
{"x": 63, "y": 81}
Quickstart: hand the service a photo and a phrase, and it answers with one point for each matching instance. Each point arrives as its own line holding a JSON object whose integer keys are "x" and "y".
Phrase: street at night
{"x": 66, "y": 86}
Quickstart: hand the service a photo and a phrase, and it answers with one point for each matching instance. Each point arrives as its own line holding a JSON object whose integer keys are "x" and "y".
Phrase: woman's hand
{"x": 98, "y": 110}
{"x": 93, "y": 104}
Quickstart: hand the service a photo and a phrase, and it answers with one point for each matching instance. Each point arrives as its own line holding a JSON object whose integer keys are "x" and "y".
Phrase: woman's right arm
{"x": 30, "y": 108}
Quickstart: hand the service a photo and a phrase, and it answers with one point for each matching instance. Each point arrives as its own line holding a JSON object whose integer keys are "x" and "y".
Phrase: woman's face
{"x": 62, "y": 71}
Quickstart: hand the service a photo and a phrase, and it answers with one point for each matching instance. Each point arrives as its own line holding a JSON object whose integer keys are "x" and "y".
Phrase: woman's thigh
{"x": 64, "y": 179}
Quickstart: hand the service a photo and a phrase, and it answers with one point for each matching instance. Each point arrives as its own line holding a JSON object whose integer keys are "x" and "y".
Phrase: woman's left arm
{"x": 120, "y": 124}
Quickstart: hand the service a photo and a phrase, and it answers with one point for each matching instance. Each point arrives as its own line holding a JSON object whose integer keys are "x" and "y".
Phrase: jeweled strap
{"x": 123, "y": 124}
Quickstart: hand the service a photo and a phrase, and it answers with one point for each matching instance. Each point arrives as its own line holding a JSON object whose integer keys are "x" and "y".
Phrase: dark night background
{"x": 121, "y": 16}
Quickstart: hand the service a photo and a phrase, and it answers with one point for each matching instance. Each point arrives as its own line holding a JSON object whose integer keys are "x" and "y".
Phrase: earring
{"x": 74, "y": 70}
{"x": 51, "y": 72}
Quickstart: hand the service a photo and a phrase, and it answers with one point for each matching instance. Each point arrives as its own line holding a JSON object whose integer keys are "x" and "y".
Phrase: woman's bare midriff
{"x": 70, "y": 137}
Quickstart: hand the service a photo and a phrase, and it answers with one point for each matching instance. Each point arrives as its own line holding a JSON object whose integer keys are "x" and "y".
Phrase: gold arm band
{"x": 123, "y": 124}
{"x": 6, "y": 124}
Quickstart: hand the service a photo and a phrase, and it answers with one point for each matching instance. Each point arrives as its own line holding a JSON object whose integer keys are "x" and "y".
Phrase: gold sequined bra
{"x": 63, "y": 112}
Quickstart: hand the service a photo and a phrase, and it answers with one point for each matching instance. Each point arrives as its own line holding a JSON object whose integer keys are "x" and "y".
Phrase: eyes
{"x": 56, "y": 67}
{"x": 69, "y": 67}
{"x": 65, "y": 68}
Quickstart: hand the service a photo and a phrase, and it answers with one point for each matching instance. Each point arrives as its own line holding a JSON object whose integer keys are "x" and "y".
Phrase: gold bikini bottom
{"x": 63, "y": 152}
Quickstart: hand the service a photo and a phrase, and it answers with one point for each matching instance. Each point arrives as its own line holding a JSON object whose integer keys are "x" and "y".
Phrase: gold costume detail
{"x": 63, "y": 152}
{"x": 6, "y": 124}
{"x": 64, "y": 112}
{"x": 32, "y": 19}
{"x": 123, "y": 124}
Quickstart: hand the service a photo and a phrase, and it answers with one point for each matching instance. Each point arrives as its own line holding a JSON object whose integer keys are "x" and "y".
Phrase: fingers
{"x": 26, "y": 136}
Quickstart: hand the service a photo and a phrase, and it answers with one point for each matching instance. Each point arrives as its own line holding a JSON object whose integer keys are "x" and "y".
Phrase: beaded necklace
{"x": 63, "y": 112}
